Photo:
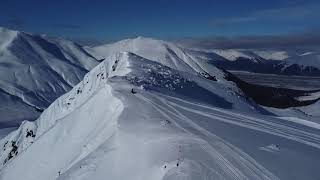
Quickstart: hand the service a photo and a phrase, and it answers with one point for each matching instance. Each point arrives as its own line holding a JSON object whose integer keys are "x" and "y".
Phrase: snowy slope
{"x": 273, "y": 54}
{"x": 34, "y": 71}
{"x": 311, "y": 59}
{"x": 166, "y": 53}
{"x": 270, "y": 61}
{"x": 178, "y": 125}
{"x": 235, "y": 54}
{"x": 312, "y": 110}
{"x": 281, "y": 61}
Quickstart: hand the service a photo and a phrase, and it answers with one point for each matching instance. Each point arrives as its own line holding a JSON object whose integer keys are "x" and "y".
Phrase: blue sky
{"x": 165, "y": 19}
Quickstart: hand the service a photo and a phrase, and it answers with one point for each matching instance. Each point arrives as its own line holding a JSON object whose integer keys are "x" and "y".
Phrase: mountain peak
{"x": 6, "y": 37}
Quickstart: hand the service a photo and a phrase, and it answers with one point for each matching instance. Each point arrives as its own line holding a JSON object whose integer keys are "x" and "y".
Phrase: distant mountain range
{"x": 147, "y": 109}
{"x": 264, "y": 61}
{"x": 35, "y": 70}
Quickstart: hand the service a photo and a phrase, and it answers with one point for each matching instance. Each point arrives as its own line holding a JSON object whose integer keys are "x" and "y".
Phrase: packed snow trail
{"x": 265, "y": 124}
{"x": 293, "y": 139}
{"x": 220, "y": 150}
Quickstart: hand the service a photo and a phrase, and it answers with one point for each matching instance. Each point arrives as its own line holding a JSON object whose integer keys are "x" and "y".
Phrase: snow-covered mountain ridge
{"x": 102, "y": 128}
{"x": 166, "y": 53}
{"x": 156, "y": 111}
{"x": 303, "y": 63}
{"x": 280, "y": 61}
{"x": 35, "y": 69}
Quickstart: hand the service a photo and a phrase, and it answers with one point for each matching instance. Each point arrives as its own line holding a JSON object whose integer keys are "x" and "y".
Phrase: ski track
{"x": 233, "y": 163}
{"x": 278, "y": 127}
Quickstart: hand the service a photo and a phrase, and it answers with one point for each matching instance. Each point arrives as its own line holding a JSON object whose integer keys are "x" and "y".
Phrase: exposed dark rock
{"x": 271, "y": 96}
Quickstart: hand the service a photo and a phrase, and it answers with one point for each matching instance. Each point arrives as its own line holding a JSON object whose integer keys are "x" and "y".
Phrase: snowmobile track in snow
{"x": 230, "y": 160}
{"x": 274, "y": 126}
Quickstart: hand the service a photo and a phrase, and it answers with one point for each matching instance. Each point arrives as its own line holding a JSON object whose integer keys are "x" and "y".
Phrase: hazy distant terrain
{"x": 283, "y": 81}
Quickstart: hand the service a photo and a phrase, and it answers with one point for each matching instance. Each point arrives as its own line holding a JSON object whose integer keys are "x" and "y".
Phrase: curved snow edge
{"x": 18, "y": 141}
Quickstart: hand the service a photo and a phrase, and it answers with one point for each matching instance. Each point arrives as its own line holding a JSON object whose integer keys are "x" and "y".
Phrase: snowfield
{"x": 133, "y": 118}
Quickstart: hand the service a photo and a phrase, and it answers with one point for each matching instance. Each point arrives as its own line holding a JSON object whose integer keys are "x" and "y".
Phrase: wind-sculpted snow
{"x": 62, "y": 107}
{"x": 132, "y": 118}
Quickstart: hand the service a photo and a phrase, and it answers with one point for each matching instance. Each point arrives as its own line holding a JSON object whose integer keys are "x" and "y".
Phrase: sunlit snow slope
{"x": 305, "y": 60}
{"x": 172, "y": 125}
{"x": 166, "y": 53}
{"x": 34, "y": 71}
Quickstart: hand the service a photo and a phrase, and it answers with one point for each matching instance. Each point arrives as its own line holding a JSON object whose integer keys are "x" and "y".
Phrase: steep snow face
{"x": 89, "y": 93}
{"x": 6, "y": 36}
{"x": 75, "y": 53}
{"x": 34, "y": 71}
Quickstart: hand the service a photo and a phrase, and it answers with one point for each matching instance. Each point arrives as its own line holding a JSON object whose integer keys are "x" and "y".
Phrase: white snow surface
{"x": 312, "y": 110}
{"x": 311, "y": 59}
{"x": 309, "y": 96}
{"x": 164, "y": 131}
{"x": 178, "y": 124}
{"x": 6, "y": 37}
{"x": 232, "y": 54}
{"x": 166, "y": 53}
{"x": 34, "y": 71}
{"x": 272, "y": 54}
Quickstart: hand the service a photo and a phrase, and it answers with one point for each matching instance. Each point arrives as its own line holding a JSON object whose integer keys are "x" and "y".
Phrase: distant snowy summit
{"x": 288, "y": 62}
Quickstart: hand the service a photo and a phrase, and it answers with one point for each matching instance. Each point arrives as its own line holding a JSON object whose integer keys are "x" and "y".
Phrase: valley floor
{"x": 281, "y": 81}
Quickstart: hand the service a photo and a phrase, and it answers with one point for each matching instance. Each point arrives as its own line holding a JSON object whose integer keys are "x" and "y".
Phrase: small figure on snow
{"x": 79, "y": 91}
{"x": 132, "y": 91}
